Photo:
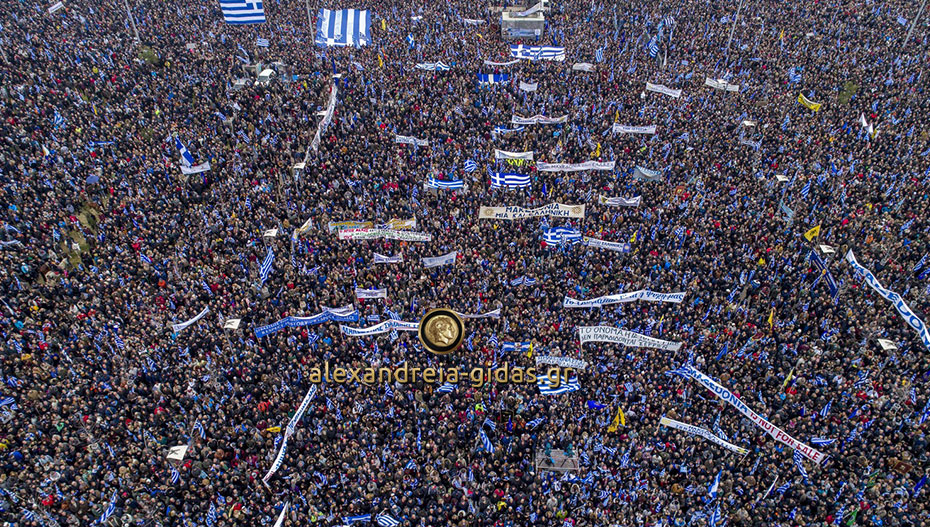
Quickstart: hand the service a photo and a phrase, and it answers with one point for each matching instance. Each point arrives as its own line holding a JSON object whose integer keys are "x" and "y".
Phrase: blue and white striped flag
{"x": 509, "y": 179}
{"x": 493, "y": 78}
{"x": 784, "y": 488}
{"x": 346, "y": 27}
{"x": 798, "y": 462}
{"x": 653, "y": 47}
{"x": 432, "y": 182}
{"x": 806, "y": 190}
{"x": 265, "y": 269}
{"x": 486, "y": 442}
{"x": 826, "y": 409}
{"x": 490, "y": 424}
{"x": 386, "y": 520}
{"x": 262, "y": 43}
{"x": 794, "y": 75}
{"x": 186, "y": 158}
{"x": 58, "y": 120}
{"x": 535, "y": 422}
{"x": 243, "y": 11}
{"x": 175, "y": 475}
{"x": 512, "y": 347}
{"x": 349, "y": 520}
{"x": 561, "y": 235}
{"x": 565, "y": 386}
{"x": 599, "y": 55}
{"x": 470, "y": 166}
{"x": 820, "y": 441}
{"x": 520, "y": 51}
{"x": 446, "y": 388}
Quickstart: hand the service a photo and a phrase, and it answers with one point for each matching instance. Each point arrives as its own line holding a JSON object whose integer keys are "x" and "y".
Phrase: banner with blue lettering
{"x": 345, "y": 314}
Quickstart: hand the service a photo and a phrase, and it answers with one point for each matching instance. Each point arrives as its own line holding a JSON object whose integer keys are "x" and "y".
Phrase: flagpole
{"x": 133, "y": 21}
{"x": 309, "y": 20}
{"x": 914, "y": 23}
{"x": 733, "y": 27}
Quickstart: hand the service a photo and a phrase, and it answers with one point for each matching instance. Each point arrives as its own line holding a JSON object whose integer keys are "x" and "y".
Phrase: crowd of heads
{"x": 106, "y": 244}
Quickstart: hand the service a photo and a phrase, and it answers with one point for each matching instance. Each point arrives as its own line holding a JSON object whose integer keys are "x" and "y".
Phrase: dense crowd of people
{"x": 106, "y": 244}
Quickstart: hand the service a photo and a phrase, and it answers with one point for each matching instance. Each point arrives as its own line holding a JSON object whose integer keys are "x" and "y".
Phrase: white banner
{"x": 647, "y": 175}
{"x": 382, "y": 259}
{"x": 196, "y": 169}
{"x": 340, "y": 225}
{"x": 536, "y": 119}
{"x": 619, "y": 247}
{"x": 502, "y": 154}
{"x": 327, "y": 118}
{"x": 555, "y": 210}
{"x": 620, "y": 202}
{"x": 407, "y": 140}
{"x": 472, "y": 21}
{"x": 621, "y": 336}
{"x": 490, "y": 314}
{"x": 232, "y": 323}
{"x": 583, "y": 66}
{"x": 279, "y": 459}
{"x": 383, "y": 327}
{"x": 620, "y": 298}
{"x": 899, "y": 304}
{"x": 727, "y": 396}
{"x": 280, "y": 520}
{"x": 177, "y": 328}
{"x": 665, "y": 90}
{"x": 624, "y": 129}
{"x": 575, "y": 167}
{"x": 720, "y": 84}
{"x": 56, "y": 7}
{"x": 390, "y": 234}
{"x": 508, "y": 63}
{"x": 445, "y": 259}
{"x": 370, "y": 293}
{"x": 703, "y": 432}
{"x": 564, "y": 362}
{"x": 535, "y": 9}
{"x": 526, "y": 86}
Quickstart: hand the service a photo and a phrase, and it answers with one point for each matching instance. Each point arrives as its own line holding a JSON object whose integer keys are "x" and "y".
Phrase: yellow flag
{"x": 813, "y": 233}
{"x": 617, "y": 116}
{"x": 383, "y": 25}
{"x": 633, "y": 238}
{"x": 788, "y": 378}
{"x": 530, "y": 352}
{"x": 380, "y": 61}
{"x": 597, "y": 152}
{"x": 809, "y": 103}
{"x": 273, "y": 429}
{"x": 479, "y": 36}
{"x": 781, "y": 35}
{"x": 761, "y": 261}
{"x": 771, "y": 318}
{"x": 619, "y": 419}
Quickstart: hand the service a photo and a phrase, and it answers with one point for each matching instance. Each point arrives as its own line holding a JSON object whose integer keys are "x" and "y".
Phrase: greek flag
{"x": 509, "y": 179}
{"x": 504, "y": 130}
{"x": 806, "y": 190}
{"x": 445, "y": 185}
{"x": 920, "y": 264}
{"x": 798, "y": 463}
{"x": 470, "y": 166}
{"x": 58, "y": 120}
{"x": 385, "y": 520}
{"x": 266, "y": 265}
{"x": 493, "y": 78}
{"x": 519, "y": 51}
{"x": 523, "y": 280}
{"x": 822, "y": 441}
{"x": 485, "y": 442}
{"x": 794, "y": 75}
{"x": 175, "y": 475}
{"x": 561, "y": 235}
{"x": 433, "y": 66}
{"x": 186, "y": 158}
{"x": 446, "y": 388}
{"x": 199, "y": 428}
{"x": 243, "y": 11}
{"x": 490, "y": 424}
{"x": 714, "y": 517}
{"x": 599, "y": 55}
{"x": 535, "y": 422}
{"x": 863, "y": 380}
{"x": 715, "y": 486}
{"x": 346, "y": 27}
{"x": 349, "y": 520}
{"x": 545, "y": 388}
{"x": 262, "y": 43}
{"x": 784, "y": 488}
{"x": 111, "y": 508}
{"x": 826, "y": 409}
{"x": 653, "y": 48}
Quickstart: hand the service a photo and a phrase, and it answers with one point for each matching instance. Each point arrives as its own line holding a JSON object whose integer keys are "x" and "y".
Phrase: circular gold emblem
{"x": 441, "y": 331}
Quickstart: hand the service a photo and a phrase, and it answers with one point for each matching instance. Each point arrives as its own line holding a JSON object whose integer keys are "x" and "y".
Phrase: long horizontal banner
{"x": 728, "y": 397}
{"x": 565, "y": 362}
{"x": 644, "y": 174}
{"x": 899, "y": 304}
{"x": 624, "y": 129}
{"x": 383, "y": 327}
{"x": 343, "y": 314}
{"x": 503, "y": 154}
{"x": 340, "y": 225}
{"x": 576, "y": 167}
{"x": 490, "y": 314}
{"x": 508, "y": 63}
{"x": 382, "y": 259}
{"x": 720, "y": 84}
{"x": 437, "y": 261}
{"x": 196, "y": 169}
{"x": 389, "y": 234}
{"x": 368, "y": 294}
{"x": 528, "y": 86}
{"x": 703, "y": 432}
{"x": 622, "y": 336}
{"x": 537, "y": 119}
{"x": 177, "y": 328}
{"x": 665, "y": 90}
{"x": 602, "y": 244}
{"x": 555, "y": 210}
{"x": 643, "y": 294}
{"x": 620, "y": 202}
{"x": 406, "y": 140}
